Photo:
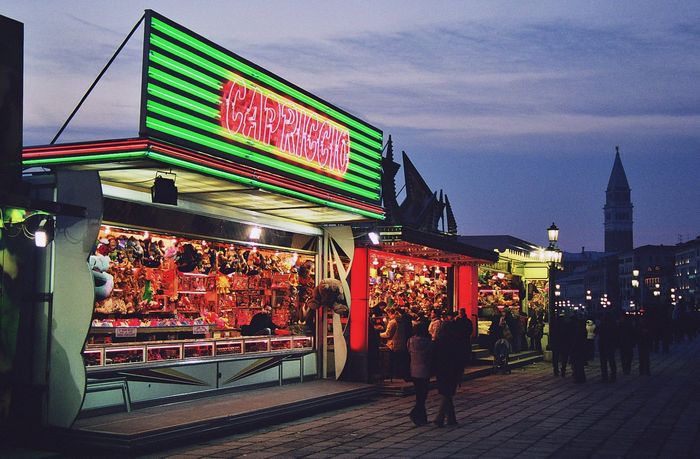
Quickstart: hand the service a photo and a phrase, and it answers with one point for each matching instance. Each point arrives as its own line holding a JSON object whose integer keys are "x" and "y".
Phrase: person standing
{"x": 435, "y": 323}
{"x": 644, "y": 343}
{"x": 578, "y": 349}
{"x": 448, "y": 369}
{"x": 466, "y": 328}
{"x": 534, "y": 330}
{"x": 627, "y": 342}
{"x": 396, "y": 336}
{"x": 607, "y": 342}
{"x": 420, "y": 349}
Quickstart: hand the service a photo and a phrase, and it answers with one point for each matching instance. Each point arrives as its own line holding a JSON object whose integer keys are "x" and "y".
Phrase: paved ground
{"x": 528, "y": 413}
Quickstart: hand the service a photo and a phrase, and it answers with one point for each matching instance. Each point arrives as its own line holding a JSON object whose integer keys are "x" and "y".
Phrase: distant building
{"x": 655, "y": 266}
{"x": 618, "y": 210}
{"x": 687, "y": 268}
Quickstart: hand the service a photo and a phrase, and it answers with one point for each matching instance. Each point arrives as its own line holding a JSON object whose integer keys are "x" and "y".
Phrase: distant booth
{"x": 206, "y": 235}
{"x": 518, "y": 280}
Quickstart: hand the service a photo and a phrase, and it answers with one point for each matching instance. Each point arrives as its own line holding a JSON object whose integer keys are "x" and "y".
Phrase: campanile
{"x": 618, "y": 210}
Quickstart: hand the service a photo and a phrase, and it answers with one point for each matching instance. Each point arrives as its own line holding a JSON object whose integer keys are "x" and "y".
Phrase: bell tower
{"x": 618, "y": 210}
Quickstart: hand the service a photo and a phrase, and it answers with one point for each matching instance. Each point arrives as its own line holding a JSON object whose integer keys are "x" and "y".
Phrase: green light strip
{"x": 267, "y": 186}
{"x": 182, "y": 101}
{"x": 206, "y": 170}
{"x": 229, "y": 60}
{"x": 86, "y": 158}
{"x": 215, "y": 128}
{"x": 195, "y": 59}
{"x": 240, "y": 152}
{"x": 361, "y": 170}
{"x": 184, "y": 86}
{"x": 172, "y": 64}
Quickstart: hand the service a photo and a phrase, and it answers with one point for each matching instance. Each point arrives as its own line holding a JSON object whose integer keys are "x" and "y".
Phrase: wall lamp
{"x": 45, "y": 232}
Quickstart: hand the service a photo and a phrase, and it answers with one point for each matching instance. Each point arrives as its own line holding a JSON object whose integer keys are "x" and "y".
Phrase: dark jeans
{"x": 607, "y": 359}
{"x": 626, "y": 359}
{"x": 400, "y": 361}
{"x": 590, "y": 349}
{"x": 446, "y": 410}
{"x": 644, "y": 364}
{"x": 418, "y": 413}
{"x": 560, "y": 357}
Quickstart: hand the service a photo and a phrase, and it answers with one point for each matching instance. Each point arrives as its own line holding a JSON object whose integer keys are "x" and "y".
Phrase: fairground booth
{"x": 517, "y": 281}
{"x": 410, "y": 264}
{"x": 205, "y": 234}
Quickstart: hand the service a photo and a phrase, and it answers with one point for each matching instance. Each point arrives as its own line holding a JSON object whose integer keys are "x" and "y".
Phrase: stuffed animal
{"x": 104, "y": 282}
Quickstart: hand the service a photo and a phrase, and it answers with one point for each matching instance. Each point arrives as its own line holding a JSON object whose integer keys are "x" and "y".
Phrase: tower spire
{"x": 618, "y": 209}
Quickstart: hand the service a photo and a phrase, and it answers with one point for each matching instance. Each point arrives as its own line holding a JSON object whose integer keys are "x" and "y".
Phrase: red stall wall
{"x": 466, "y": 295}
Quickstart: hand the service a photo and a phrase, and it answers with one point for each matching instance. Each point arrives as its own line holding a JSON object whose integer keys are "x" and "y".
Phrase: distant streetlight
{"x": 552, "y": 255}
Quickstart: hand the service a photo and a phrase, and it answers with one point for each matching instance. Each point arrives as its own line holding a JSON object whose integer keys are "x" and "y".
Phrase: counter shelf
{"x": 98, "y": 356}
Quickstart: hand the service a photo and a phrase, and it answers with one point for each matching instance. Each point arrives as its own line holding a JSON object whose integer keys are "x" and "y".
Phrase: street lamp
{"x": 635, "y": 290}
{"x": 552, "y": 255}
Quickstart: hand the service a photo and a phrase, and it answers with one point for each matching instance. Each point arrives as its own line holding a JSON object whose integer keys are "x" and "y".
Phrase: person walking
{"x": 644, "y": 343}
{"x": 607, "y": 342}
{"x": 420, "y": 349}
{"x": 578, "y": 349}
{"x": 627, "y": 343}
{"x": 466, "y": 329}
{"x": 448, "y": 370}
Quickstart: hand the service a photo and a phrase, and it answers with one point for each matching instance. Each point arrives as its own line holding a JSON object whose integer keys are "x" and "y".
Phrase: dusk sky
{"x": 513, "y": 109}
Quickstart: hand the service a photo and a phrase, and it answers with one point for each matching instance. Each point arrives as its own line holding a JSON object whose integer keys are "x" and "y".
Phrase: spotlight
{"x": 255, "y": 233}
{"x": 164, "y": 191}
{"x": 44, "y": 233}
{"x": 374, "y": 237}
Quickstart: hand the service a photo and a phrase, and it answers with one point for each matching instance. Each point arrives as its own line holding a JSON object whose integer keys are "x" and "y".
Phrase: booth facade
{"x": 518, "y": 280}
{"x": 234, "y": 199}
{"x": 413, "y": 269}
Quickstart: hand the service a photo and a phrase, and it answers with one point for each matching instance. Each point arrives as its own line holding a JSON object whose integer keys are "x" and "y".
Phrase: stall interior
{"x": 497, "y": 291}
{"x": 403, "y": 282}
{"x": 166, "y": 297}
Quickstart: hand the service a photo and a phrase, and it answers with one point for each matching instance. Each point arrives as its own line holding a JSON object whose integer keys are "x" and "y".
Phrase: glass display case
{"x": 101, "y": 355}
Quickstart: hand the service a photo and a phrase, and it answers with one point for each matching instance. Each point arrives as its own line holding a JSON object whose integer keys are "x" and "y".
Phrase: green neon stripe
{"x": 172, "y": 64}
{"x": 361, "y": 170}
{"x": 184, "y": 86}
{"x": 229, "y": 60}
{"x": 199, "y": 61}
{"x": 217, "y": 129}
{"x": 373, "y": 144}
{"x": 373, "y": 154}
{"x": 267, "y": 186}
{"x": 240, "y": 152}
{"x": 183, "y": 102}
{"x": 225, "y": 73}
{"x": 86, "y": 158}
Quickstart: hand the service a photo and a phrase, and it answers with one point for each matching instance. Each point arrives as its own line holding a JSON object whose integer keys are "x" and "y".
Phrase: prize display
{"x": 175, "y": 290}
{"x": 407, "y": 283}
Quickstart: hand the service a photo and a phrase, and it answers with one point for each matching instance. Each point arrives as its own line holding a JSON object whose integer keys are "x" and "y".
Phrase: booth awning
{"x": 432, "y": 246}
{"x": 134, "y": 163}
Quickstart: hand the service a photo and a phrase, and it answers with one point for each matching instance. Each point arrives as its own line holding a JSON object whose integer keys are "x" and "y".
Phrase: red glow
{"x": 268, "y": 118}
{"x": 359, "y": 293}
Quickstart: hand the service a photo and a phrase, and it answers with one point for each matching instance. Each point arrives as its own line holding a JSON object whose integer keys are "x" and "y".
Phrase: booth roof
{"x": 433, "y": 246}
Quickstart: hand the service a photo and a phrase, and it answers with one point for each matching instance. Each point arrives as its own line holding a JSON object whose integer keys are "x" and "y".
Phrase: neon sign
{"x": 263, "y": 116}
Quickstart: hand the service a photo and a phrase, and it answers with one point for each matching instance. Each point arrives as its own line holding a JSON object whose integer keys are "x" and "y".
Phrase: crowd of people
{"x": 420, "y": 347}
{"x": 654, "y": 329}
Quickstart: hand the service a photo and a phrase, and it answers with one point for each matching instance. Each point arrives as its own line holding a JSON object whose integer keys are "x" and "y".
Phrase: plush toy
{"x": 104, "y": 282}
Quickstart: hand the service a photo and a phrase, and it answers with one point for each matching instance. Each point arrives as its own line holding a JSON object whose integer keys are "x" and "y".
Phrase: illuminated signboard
{"x": 200, "y": 96}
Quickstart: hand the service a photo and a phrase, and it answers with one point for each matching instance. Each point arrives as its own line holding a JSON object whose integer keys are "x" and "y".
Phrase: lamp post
{"x": 636, "y": 303}
{"x": 552, "y": 256}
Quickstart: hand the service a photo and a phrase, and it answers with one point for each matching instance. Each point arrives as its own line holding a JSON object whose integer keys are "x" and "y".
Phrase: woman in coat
{"x": 449, "y": 369}
{"x": 420, "y": 348}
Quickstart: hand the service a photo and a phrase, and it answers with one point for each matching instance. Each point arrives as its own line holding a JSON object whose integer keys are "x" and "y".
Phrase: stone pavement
{"x": 529, "y": 413}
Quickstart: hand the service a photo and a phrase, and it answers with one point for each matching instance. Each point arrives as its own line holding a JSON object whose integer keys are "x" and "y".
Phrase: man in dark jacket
{"x": 607, "y": 343}
{"x": 449, "y": 369}
{"x": 466, "y": 329}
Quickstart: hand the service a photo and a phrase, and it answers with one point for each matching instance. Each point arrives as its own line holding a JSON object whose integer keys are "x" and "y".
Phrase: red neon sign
{"x": 271, "y": 120}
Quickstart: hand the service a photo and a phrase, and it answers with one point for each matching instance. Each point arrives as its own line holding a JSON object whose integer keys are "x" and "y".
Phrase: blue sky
{"x": 512, "y": 108}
